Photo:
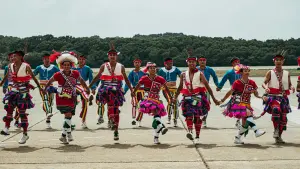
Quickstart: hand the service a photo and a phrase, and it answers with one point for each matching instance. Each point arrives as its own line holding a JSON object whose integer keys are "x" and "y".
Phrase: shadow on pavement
{"x": 22, "y": 149}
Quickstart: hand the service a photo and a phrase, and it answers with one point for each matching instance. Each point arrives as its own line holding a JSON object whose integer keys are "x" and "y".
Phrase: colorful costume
{"x": 87, "y": 75}
{"x": 45, "y": 73}
{"x": 151, "y": 103}
{"x": 194, "y": 103}
{"x": 111, "y": 93}
{"x": 134, "y": 78}
{"x": 18, "y": 97}
{"x": 298, "y": 95}
{"x": 278, "y": 103}
{"x": 66, "y": 91}
{"x": 171, "y": 76}
{"x": 229, "y": 75}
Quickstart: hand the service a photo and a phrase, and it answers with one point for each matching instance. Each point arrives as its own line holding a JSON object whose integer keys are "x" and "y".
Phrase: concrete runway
{"x": 95, "y": 147}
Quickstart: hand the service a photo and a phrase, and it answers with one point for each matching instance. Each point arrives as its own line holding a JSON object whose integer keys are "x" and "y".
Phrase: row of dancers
{"x": 145, "y": 86}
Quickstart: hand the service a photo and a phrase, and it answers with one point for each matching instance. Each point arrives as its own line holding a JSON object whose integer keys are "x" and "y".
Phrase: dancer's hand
{"x": 94, "y": 91}
{"x": 265, "y": 98}
{"x": 4, "y": 90}
{"x": 293, "y": 89}
{"x": 44, "y": 91}
{"x": 88, "y": 91}
{"x": 267, "y": 90}
{"x": 174, "y": 100}
{"x": 218, "y": 89}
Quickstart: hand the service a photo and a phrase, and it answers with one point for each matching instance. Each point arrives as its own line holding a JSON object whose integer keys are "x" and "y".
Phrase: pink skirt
{"x": 237, "y": 110}
{"x": 147, "y": 106}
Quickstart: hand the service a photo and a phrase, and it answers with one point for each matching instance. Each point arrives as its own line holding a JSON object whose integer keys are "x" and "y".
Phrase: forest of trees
{"x": 155, "y": 48}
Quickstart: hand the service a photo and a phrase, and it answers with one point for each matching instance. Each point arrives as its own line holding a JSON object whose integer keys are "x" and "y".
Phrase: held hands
{"x": 218, "y": 89}
{"x": 94, "y": 91}
{"x": 132, "y": 94}
{"x": 267, "y": 90}
{"x": 292, "y": 88}
{"x": 88, "y": 91}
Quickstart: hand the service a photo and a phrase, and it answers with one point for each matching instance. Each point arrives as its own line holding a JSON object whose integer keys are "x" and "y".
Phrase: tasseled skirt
{"x": 109, "y": 94}
{"x": 17, "y": 99}
{"x": 282, "y": 100}
{"x": 149, "y": 105}
{"x": 195, "y": 105}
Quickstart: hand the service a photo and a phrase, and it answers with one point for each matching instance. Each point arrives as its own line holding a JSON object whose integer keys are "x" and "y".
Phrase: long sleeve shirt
{"x": 6, "y": 81}
{"x": 86, "y": 74}
{"x": 134, "y": 78}
{"x": 45, "y": 73}
{"x": 169, "y": 75}
{"x": 208, "y": 71}
{"x": 229, "y": 75}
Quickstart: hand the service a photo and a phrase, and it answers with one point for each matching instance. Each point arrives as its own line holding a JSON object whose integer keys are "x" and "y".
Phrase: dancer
{"x": 8, "y": 84}
{"x": 194, "y": 104}
{"x": 110, "y": 92}
{"x": 298, "y": 90}
{"x": 207, "y": 72}
{"x": 231, "y": 76}
{"x": 86, "y": 74}
{"x": 134, "y": 77}
{"x": 19, "y": 95}
{"x": 151, "y": 104}
{"x": 66, "y": 91}
{"x": 46, "y": 71}
{"x": 170, "y": 74}
{"x": 239, "y": 105}
{"x": 277, "y": 85}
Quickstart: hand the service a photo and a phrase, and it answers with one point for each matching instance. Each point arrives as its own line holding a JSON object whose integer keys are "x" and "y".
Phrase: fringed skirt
{"x": 195, "y": 105}
{"x": 281, "y": 102}
{"x": 65, "y": 104}
{"x": 149, "y": 105}
{"x": 17, "y": 99}
{"x": 111, "y": 95}
{"x": 237, "y": 110}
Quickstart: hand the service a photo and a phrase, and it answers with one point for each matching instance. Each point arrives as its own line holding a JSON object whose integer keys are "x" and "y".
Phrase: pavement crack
{"x": 196, "y": 148}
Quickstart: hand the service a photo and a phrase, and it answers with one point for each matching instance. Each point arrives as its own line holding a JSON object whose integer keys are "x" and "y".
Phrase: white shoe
{"x": 169, "y": 122}
{"x": 49, "y": 115}
{"x": 238, "y": 140}
{"x": 70, "y": 137}
{"x": 140, "y": 123}
{"x": 156, "y": 141}
{"x": 48, "y": 126}
{"x": 5, "y": 132}
{"x": 276, "y": 133}
{"x": 259, "y": 133}
{"x": 175, "y": 122}
{"x": 23, "y": 139}
{"x": 190, "y": 136}
{"x": 83, "y": 125}
{"x": 64, "y": 140}
{"x": 197, "y": 140}
{"x": 164, "y": 131}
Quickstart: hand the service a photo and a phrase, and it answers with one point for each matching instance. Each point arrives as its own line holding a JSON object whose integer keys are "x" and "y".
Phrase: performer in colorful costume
{"x": 66, "y": 91}
{"x": 170, "y": 74}
{"x": 46, "y": 71}
{"x": 207, "y": 71}
{"x": 111, "y": 92}
{"x": 239, "y": 105}
{"x": 8, "y": 84}
{"x": 194, "y": 104}
{"x": 298, "y": 60}
{"x": 151, "y": 104}
{"x": 19, "y": 95}
{"x": 277, "y": 85}
{"x": 87, "y": 75}
{"x": 298, "y": 90}
{"x": 134, "y": 77}
{"x": 231, "y": 76}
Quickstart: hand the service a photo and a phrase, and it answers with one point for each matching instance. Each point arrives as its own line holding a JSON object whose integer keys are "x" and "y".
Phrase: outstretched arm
{"x": 229, "y": 93}
{"x": 266, "y": 81}
{"x": 33, "y": 77}
{"x": 179, "y": 87}
{"x": 82, "y": 82}
{"x": 96, "y": 78}
{"x": 126, "y": 78}
{"x": 204, "y": 81}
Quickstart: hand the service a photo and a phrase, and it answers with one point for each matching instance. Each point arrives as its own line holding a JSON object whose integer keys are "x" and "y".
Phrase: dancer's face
{"x": 202, "y": 62}
{"x": 169, "y": 64}
{"x": 246, "y": 72}
{"x": 112, "y": 57}
{"x": 46, "y": 60}
{"x": 192, "y": 64}
{"x": 137, "y": 64}
{"x": 278, "y": 61}
{"x": 81, "y": 61}
{"x": 152, "y": 70}
{"x": 67, "y": 66}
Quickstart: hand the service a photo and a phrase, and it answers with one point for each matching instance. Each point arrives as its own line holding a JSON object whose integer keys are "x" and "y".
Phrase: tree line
{"x": 155, "y": 48}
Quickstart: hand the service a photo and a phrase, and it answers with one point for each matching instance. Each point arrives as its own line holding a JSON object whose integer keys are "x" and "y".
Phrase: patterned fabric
{"x": 107, "y": 93}
{"x": 197, "y": 105}
{"x": 18, "y": 99}
{"x": 149, "y": 105}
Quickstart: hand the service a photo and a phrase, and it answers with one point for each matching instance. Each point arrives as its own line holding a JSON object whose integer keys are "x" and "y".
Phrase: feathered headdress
{"x": 240, "y": 67}
{"x": 62, "y": 57}
{"x": 280, "y": 55}
{"x": 112, "y": 49}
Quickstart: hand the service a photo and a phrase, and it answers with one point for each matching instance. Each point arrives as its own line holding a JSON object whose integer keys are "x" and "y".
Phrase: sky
{"x": 247, "y": 19}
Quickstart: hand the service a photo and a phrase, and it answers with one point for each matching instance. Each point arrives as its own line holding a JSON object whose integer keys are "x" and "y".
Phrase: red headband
{"x": 168, "y": 61}
{"x": 137, "y": 60}
{"x": 191, "y": 58}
